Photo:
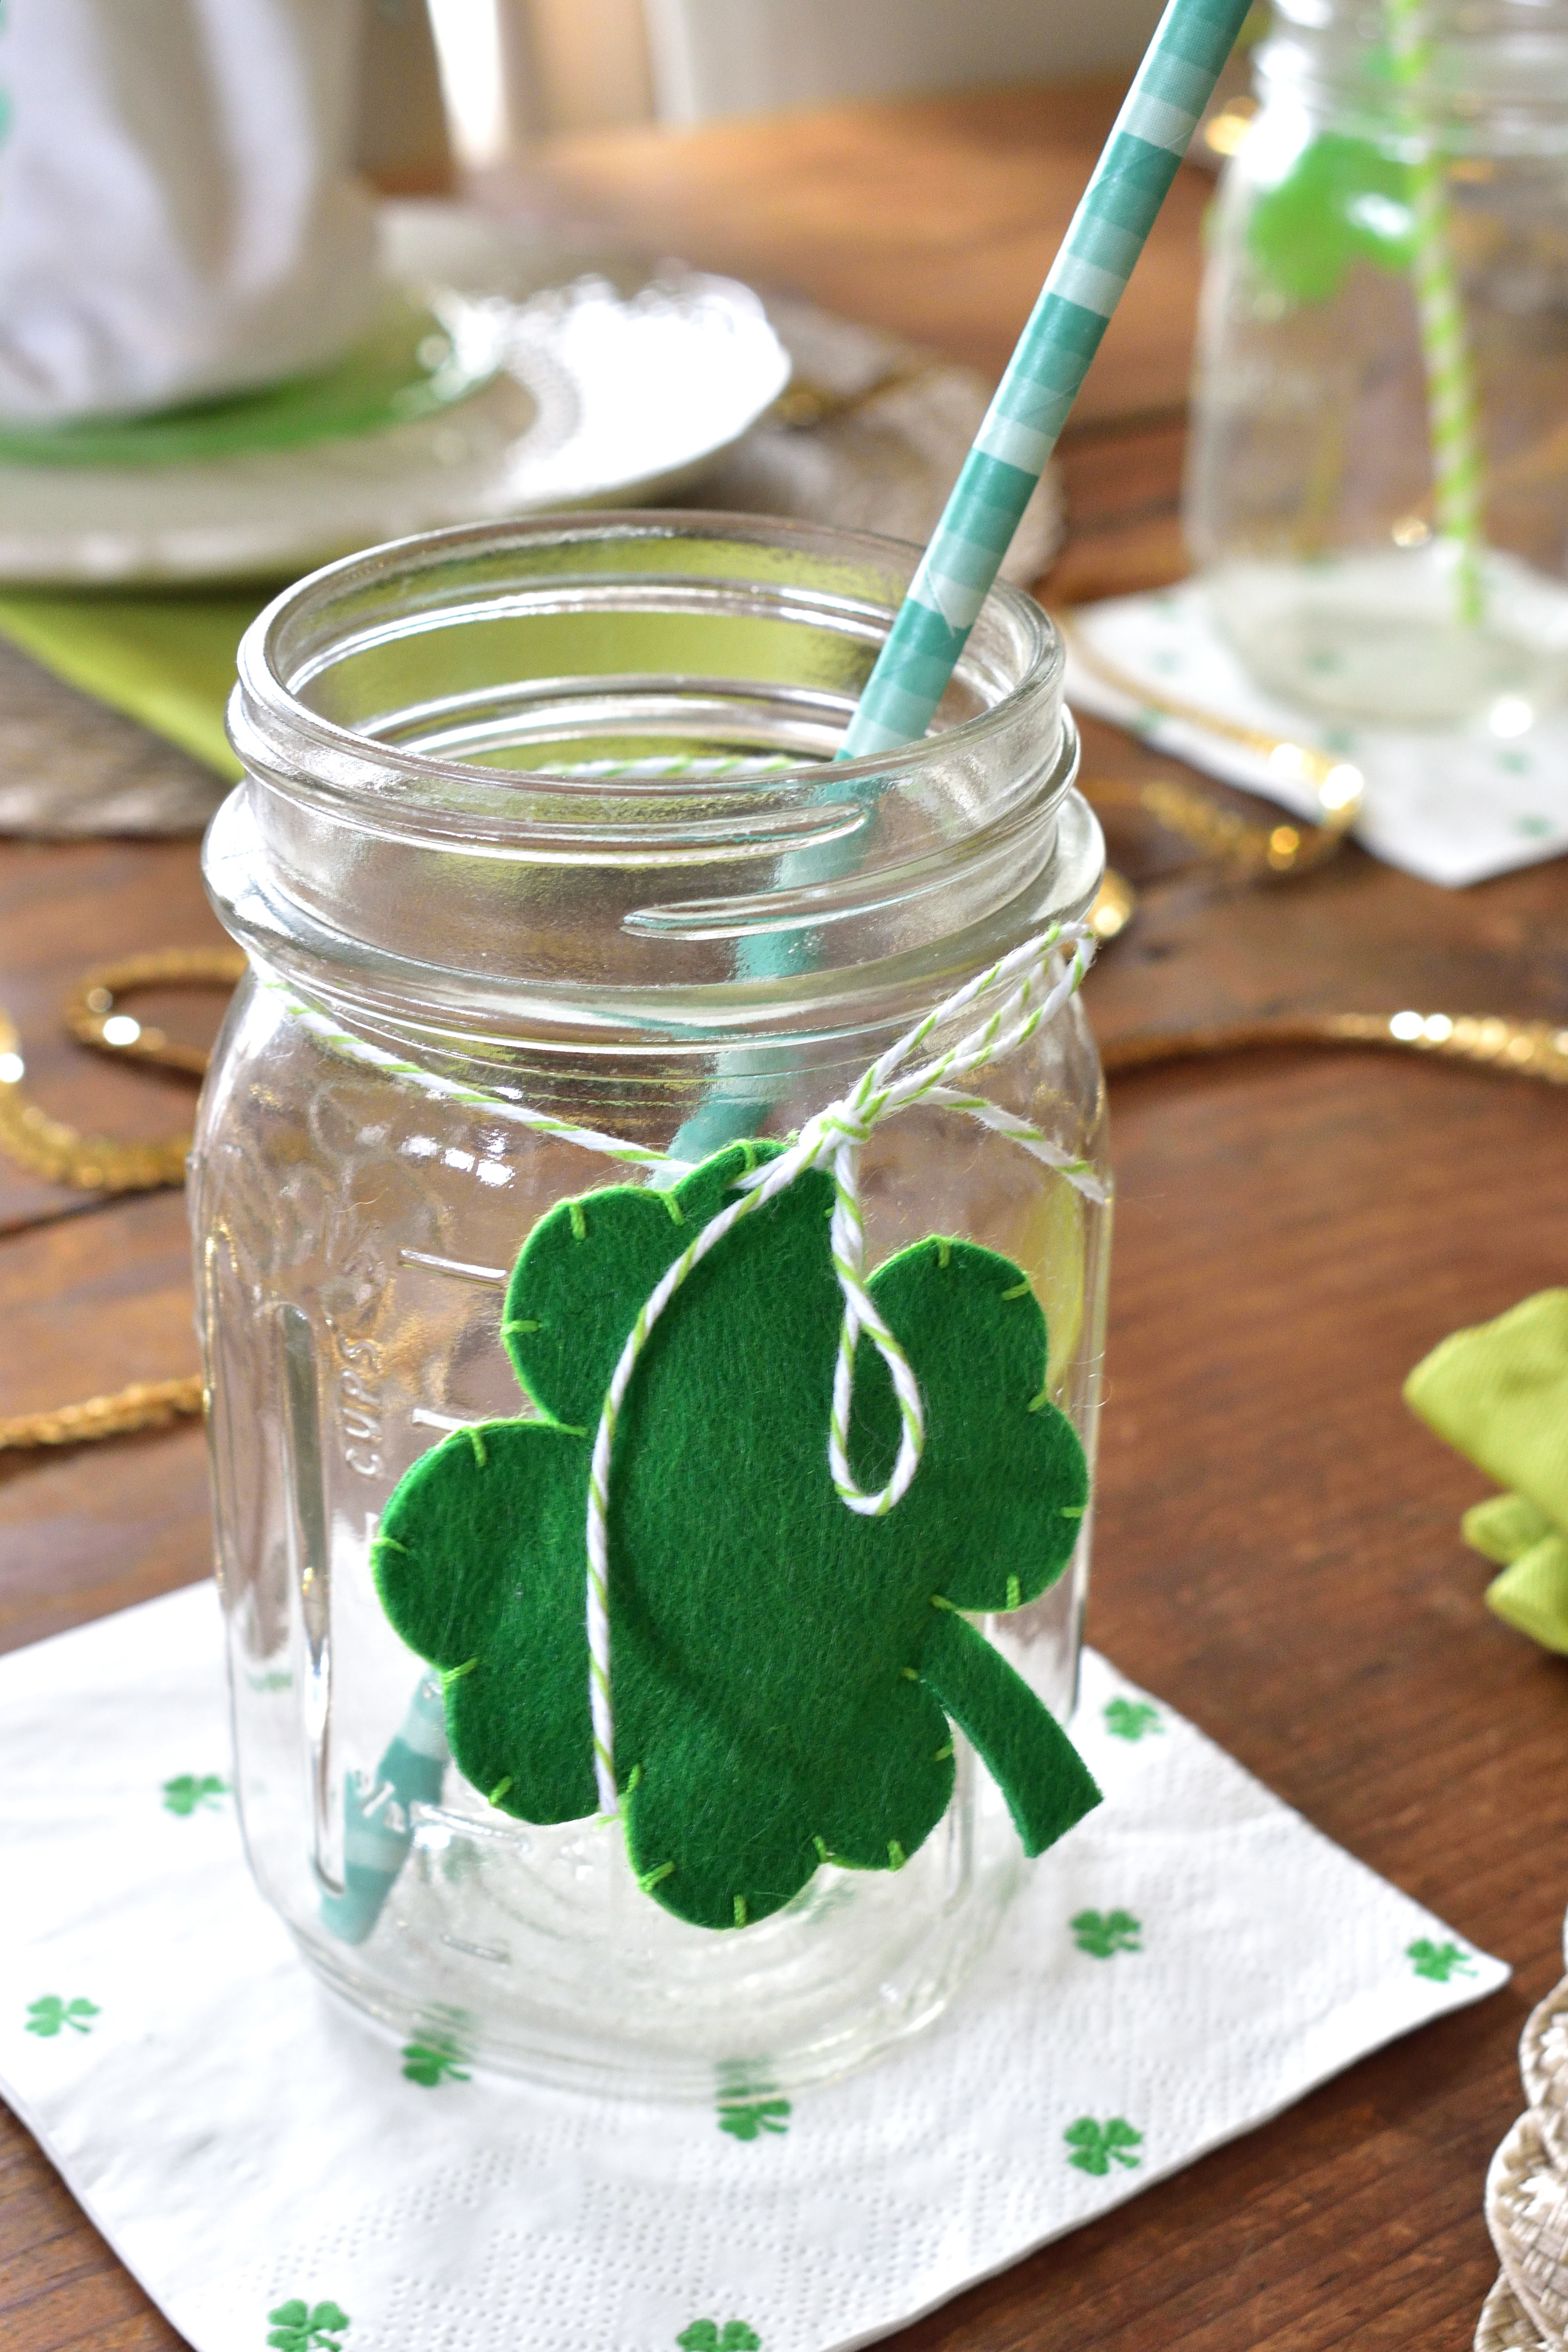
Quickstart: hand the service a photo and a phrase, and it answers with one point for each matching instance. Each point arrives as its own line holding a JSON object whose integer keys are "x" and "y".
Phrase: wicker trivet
{"x": 1527, "y": 2198}
{"x": 1527, "y": 2213}
{"x": 1543, "y": 2063}
{"x": 1505, "y": 2325}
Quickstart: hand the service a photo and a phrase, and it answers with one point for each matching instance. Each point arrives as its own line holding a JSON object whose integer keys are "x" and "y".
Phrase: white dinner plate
{"x": 598, "y": 381}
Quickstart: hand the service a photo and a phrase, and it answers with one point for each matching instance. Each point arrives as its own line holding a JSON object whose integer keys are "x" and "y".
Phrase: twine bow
{"x": 1037, "y": 979}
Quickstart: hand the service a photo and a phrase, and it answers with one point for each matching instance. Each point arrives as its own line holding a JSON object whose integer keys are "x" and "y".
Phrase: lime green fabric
{"x": 1499, "y": 1395}
{"x": 1531, "y": 1594}
{"x": 167, "y": 660}
{"x": 1503, "y": 1527}
{"x": 783, "y": 1668}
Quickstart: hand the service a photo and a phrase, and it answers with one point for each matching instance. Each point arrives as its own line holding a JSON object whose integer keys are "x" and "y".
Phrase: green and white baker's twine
{"x": 1457, "y": 476}
{"x": 1107, "y": 233}
{"x": 1036, "y": 980}
{"x": 1025, "y": 991}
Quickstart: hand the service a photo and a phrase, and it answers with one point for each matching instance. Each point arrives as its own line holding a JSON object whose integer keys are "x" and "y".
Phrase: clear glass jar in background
{"x": 673, "y": 947}
{"x": 1310, "y": 502}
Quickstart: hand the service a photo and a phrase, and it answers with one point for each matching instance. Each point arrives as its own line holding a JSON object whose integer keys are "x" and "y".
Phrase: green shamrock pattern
{"x": 1103, "y": 1934}
{"x": 298, "y": 2327}
{"x": 784, "y": 1669}
{"x": 1132, "y": 1719}
{"x": 1439, "y": 1962}
{"x": 706, "y": 2336}
{"x": 1096, "y": 2147}
{"x": 433, "y": 2061}
{"x": 46, "y": 2017}
{"x": 749, "y": 2118}
{"x": 189, "y": 1793}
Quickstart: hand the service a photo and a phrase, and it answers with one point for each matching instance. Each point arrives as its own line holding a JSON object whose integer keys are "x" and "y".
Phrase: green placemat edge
{"x": 168, "y": 661}
{"x": 410, "y": 365}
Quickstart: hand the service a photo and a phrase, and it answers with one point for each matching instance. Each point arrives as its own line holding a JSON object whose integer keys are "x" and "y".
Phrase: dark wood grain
{"x": 935, "y": 217}
{"x": 1277, "y": 1550}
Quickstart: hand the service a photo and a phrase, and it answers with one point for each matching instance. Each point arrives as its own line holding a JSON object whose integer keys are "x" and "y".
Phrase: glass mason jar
{"x": 1377, "y": 488}
{"x": 547, "y": 813}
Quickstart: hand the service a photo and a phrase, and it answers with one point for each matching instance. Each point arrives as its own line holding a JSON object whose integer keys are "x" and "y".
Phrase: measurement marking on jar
{"x": 423, "y": 1418}
{"x": 497, "y": 1274}
{"x": 359, "y": 1399}
{"x": 360, "y": 1417}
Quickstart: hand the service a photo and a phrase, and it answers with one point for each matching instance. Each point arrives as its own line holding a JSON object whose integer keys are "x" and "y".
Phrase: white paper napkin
{"x": 176, "y": 214}
{"x": 1453, "y": 808}
{"x": 258, "y": 2157}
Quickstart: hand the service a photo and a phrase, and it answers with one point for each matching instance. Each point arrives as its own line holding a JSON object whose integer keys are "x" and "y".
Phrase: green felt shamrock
{"x": 783, "y": 1668}
{"x": 1343, "y": 200}
{"x": 706, "y": 2336}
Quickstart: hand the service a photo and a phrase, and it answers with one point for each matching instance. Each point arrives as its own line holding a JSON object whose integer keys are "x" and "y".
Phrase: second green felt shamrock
{"x": 1343, "y": 200}
{"x": 786, "y": 1671}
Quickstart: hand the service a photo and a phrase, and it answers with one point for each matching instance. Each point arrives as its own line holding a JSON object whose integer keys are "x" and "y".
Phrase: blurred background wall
{"x": 495, "y": 74}
{"x": 738, "y": 57}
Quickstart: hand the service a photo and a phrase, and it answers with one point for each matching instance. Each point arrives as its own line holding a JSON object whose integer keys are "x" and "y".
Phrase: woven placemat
{"x": 69, "y": 764}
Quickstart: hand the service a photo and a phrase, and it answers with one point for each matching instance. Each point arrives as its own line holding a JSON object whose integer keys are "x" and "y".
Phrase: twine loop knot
{"x": 1023, "y": 990}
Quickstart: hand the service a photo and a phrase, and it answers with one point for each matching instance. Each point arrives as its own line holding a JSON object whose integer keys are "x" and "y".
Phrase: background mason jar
{"x": 493, "y": 831}
{"x": 1310, "y": 497}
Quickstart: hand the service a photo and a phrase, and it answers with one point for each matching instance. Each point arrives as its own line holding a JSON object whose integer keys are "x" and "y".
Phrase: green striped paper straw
{"x": 1456, "y": 481}
{"x": 1172, "y": 86}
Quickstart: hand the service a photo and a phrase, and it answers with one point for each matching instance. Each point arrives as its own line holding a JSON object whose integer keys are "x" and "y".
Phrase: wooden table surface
{"x": 1277, "y": 1550}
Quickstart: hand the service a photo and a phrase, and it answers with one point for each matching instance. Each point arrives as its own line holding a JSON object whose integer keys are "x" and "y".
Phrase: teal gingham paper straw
{"x": 1172, "y": 86}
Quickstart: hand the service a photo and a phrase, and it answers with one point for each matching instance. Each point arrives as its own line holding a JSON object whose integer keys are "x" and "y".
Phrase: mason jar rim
{"x": 1484, "y": 72}
{"x": 265, "y": 701}
{"x": 371, "y": 860}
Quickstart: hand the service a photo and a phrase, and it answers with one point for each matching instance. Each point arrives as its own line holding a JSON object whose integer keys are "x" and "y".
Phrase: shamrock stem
{"x": 1038, "y": 1769}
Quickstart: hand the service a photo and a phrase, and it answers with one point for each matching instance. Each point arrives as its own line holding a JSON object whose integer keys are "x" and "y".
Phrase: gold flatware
{"x": 47, "y": 1147}
{"x": 1524, "y": 1049}
{"x": 93, "y": 1013}
{"x": 145, "y": 1404}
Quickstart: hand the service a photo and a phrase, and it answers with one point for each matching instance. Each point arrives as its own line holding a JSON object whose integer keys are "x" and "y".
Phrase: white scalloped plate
{"x": 619, "y": 384}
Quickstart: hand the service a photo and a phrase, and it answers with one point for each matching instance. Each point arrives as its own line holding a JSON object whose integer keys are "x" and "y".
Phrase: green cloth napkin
{"x": 168, "y": 660}
{"x": 1499, "y": 1395}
